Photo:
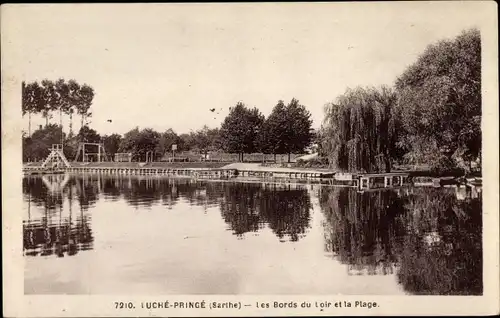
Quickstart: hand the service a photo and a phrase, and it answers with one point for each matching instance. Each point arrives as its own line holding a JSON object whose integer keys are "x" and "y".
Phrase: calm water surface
{"x": 94, "y": 234}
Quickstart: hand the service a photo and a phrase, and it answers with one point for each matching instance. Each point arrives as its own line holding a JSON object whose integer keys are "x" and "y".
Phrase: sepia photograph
{"x": 250, "y": 150}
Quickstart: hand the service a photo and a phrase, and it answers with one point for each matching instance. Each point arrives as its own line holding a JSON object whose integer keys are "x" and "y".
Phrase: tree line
{"x": 136, "y": 141}
{"x": 286, "y": 130}
{"x": 432, "y": 115}
{"x": 50, "y": 97}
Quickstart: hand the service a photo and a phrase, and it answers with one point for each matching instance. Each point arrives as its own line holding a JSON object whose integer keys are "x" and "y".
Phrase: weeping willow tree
{"x": 359, "y": 132}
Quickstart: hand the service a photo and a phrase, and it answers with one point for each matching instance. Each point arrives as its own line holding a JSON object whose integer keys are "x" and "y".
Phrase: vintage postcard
{"x": 250, "y": 159}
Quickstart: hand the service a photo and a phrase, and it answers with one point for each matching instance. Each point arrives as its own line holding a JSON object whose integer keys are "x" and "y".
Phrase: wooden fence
{"x": 229, "y": 157}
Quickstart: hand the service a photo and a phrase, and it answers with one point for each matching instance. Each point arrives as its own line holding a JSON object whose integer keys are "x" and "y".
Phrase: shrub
{"x": 319, "y": 162}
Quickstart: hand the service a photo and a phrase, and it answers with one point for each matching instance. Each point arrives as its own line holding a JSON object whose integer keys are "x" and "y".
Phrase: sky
{"x": 164, "y": 66}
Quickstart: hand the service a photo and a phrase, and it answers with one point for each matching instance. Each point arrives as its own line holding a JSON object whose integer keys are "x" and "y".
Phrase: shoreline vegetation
{"x": 427, "y": 124}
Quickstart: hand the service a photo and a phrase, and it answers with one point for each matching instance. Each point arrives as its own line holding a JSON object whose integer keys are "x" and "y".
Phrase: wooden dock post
{"x": 387, "y": 181}
{"x": 364, "y": 183}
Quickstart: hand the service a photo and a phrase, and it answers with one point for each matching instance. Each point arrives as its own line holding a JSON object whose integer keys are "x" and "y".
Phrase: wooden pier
{"x": 381, "y": 180}
{"x": 263, "y": 174}
{"x": 57, "y": 163}
{"x": 202, "y": 173}
{"x": 361, "y": 181}
{"x": 180, "y": 172}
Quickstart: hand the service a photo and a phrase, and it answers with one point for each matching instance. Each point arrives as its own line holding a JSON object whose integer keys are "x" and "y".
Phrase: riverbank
{"x": 258, "y": 171}
{"x": 133, "y": 165}
{"x": 198, "y": 170}
{"x": 244, "y": 167}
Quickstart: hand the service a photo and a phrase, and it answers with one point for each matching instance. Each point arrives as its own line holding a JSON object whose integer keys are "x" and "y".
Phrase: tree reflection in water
{"x": 430, "y": 238}
{"x": 239, "y": 208}
{"x": 58, "y": 232}
{"x": 245, "y": 207}
{"x": 145, "y": 192}
{"x": 442, "y": 251}
{"x": 286, "y": 210}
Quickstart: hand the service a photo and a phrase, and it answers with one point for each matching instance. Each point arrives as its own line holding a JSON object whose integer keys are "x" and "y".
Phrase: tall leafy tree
{"x": 147, "y": 141}
{"x": 359, "y": 132}
{"x": 86, "y": 96}
{"x": 186, "y": 142}
{"x": 214, "y": 141}
{"x": 32, "y": 101}
{"x": 206, "y": 140}
{"x": 87, "y": 134}
{"x": 37, "y": 146}
{"x": 112, "y": 144}
{"x": 140, "y": 142}
{"x": 440, "y": 101}
{"x": 57, "y": 96}
{"x": 288, "y": 128}
{"x": 263, "y": 142}
{"x": 240, "y": 129}
{"x": 74, "y": 100}
{"x": 274, "y": 131}
{"x": 298, "y": 129}
{"x": 63, "y": 101}
{"x": 128, "y": 142}
{"x": 50, "y": 100}
{"x": 167, "y": 139}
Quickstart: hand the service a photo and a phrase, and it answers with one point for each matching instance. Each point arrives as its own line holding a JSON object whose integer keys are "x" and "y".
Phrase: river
{"x": 95, "y": 234}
